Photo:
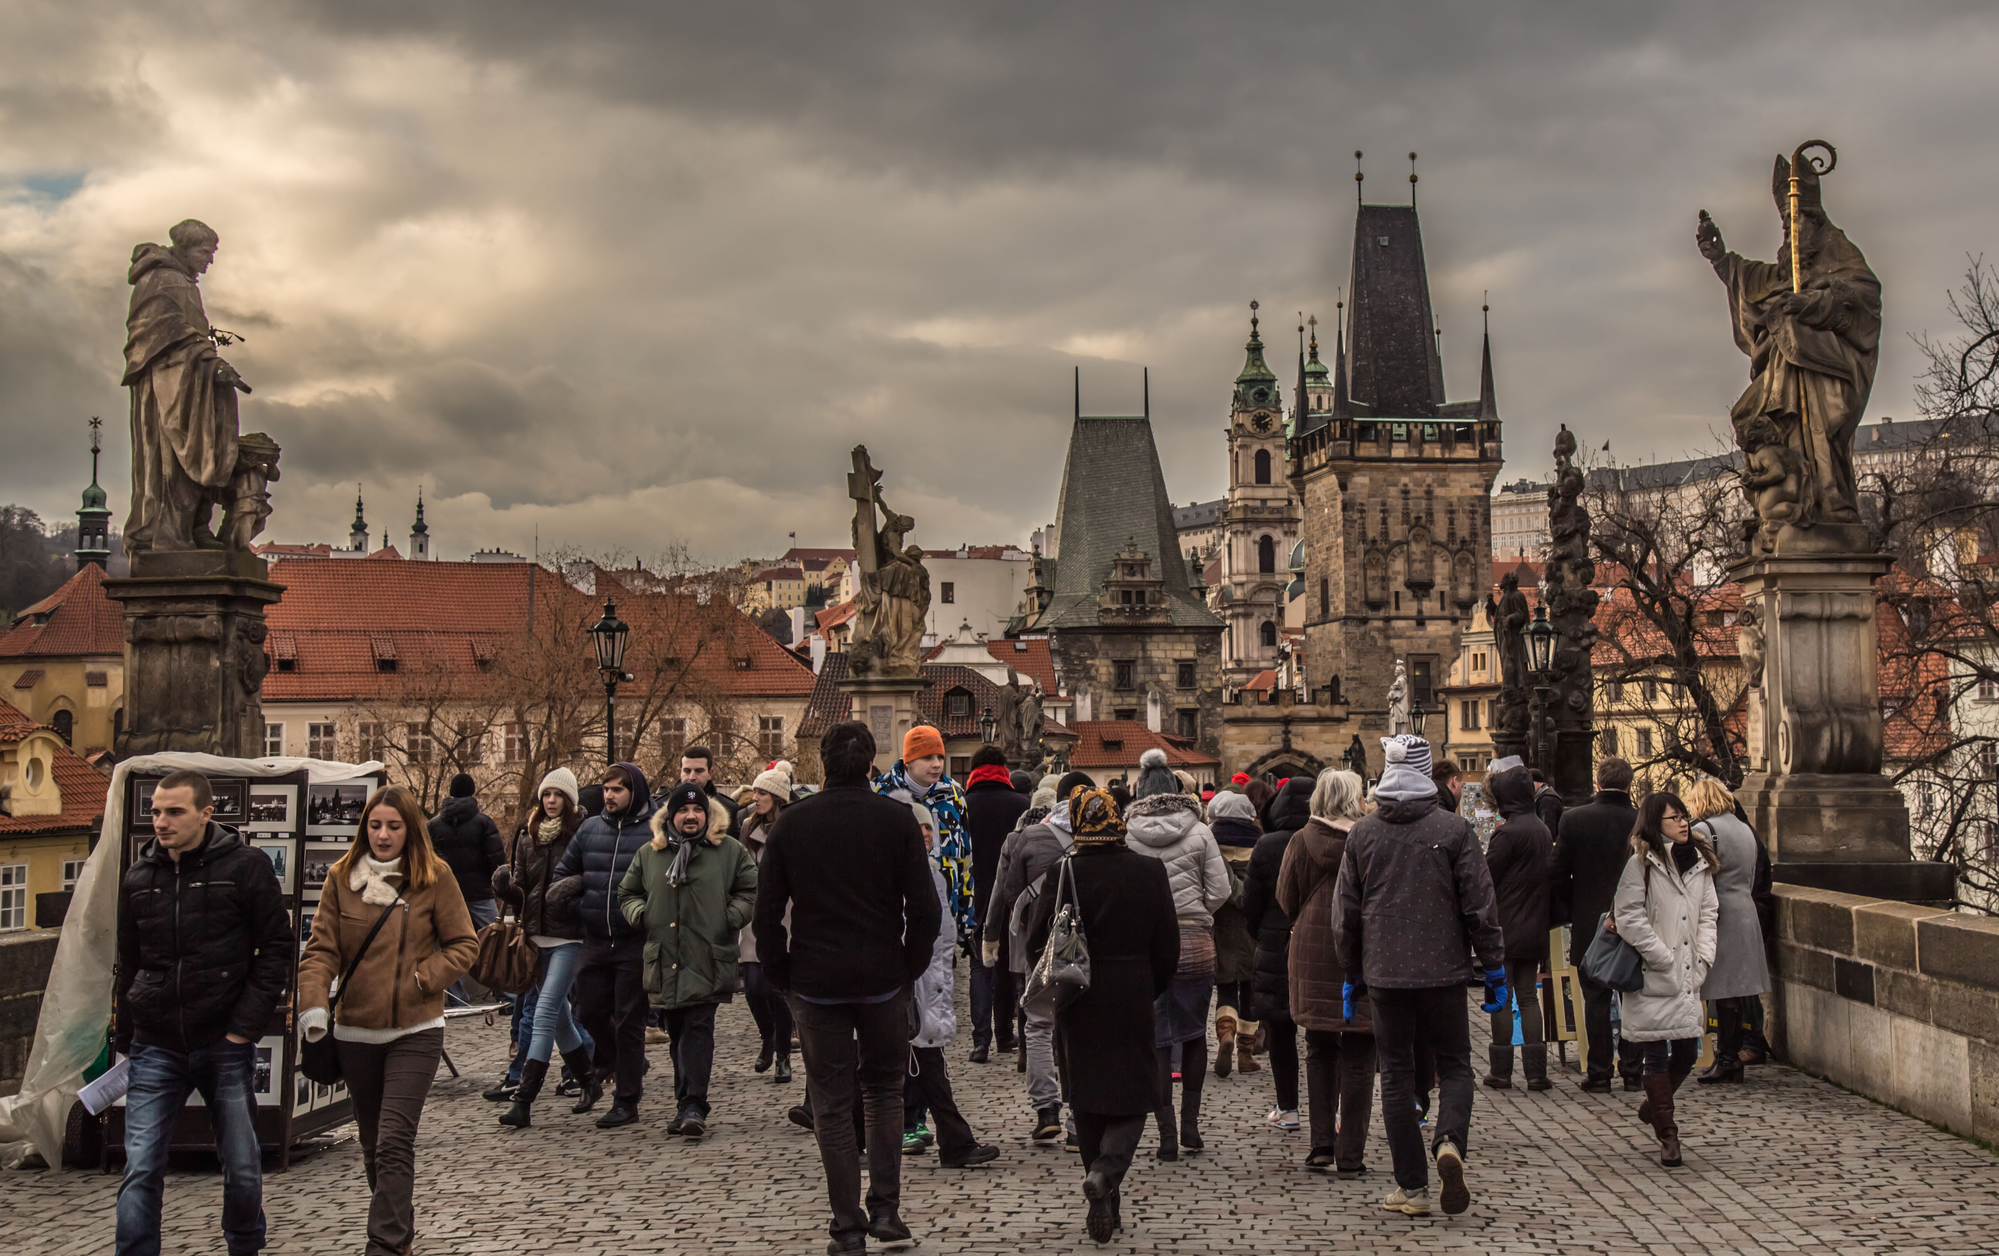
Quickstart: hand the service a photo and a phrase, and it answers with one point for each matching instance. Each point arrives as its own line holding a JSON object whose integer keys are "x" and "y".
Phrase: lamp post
{"x": 608, "y": 637}
{"x": 988, "y": 726}
{"x": 1540, "y": 636}
{"x": 1416, "y": 717}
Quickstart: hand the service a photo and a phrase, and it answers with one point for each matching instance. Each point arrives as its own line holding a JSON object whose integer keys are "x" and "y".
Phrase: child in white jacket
{"x": 929, "y": 1082}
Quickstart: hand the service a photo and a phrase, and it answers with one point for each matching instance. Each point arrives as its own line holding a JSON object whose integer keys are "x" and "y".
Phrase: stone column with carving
{"x": 1571, "y": 603}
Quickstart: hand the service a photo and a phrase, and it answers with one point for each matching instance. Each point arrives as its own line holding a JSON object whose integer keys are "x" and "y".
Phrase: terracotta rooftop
{"x": 1119, "y": 743}
{"x": 83, "y": 787}
{"x": 834, "y": 616}
{"x": 76, "y": 619}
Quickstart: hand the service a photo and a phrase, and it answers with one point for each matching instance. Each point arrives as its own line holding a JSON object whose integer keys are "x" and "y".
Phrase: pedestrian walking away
{"x": 527, "y": 882}
{"x": 1112, "y": 1071}
{"x": 848, "y": 867}
{"x": 389, "y": 1034}
{"x": 770, "y": 794}
{"x": 1338, "y": 1024}
{"x": 1414, "y": 899}
{"x": 468, "y": 841}
{"x": 610, "y": 982}
{"x": 992, "y": 807}
{"x": 1270, "y": 983}
{"x": 1165, "y": 824}
{"x": 1232, "y": 818}
{"x": 1666, "y": 908}
{"x": 690, "y": 890}
{"x": 1741, "y": 971}
{"x": 928, "y": 1088}
{"x": 1591, "y": 849}
{"x": 204, "y": 953}
{"x": 1521, "y": 857}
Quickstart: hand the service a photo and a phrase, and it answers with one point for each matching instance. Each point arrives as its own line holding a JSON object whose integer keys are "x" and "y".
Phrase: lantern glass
{"x": 988, "y": 726}
{"x": 1540, "y": 636}
{"x": 608, "y": 635}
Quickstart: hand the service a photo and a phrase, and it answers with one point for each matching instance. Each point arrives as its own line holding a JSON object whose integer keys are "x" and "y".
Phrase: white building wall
{"x": 986, "y": 593}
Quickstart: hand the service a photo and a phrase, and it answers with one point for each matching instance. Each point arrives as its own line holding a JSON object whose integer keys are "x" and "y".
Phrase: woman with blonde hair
{"x": 392, "y": 927}
{"x": 1741, "y": 971}
{"x": 1339, "y": 1039}
{"x": 1665, "y": 907}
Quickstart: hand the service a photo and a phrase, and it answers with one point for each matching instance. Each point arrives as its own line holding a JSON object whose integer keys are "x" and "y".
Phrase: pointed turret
{"x": 1256, "y": 387}
{"x": 1488, "y": 400}
{"x": 93, "y": 519}
{"x": 357, "y": 536}
{"x": 419, "y": 533}
{"x": 1342, "y": 408}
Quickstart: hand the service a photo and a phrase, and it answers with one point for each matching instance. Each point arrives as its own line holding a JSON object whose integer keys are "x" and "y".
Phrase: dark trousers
{"x": 1676, "y": 1056}
{"x": 1523, "y": 987}
{"x": 611, "y": 997}
{"x": 1728, "y": 1017}
{"x": 839, "y": 1042}
{"x": 1280, "y": 1035}
{"x": 1107, "y": 1143}
{"x": 1235, "y": 994}
{"x": 1596, "y": 1021}
{"x": 993, "y": 1002}
{"x": 767, "y": 1006}
{"x": 691, "y": 1031}
{"x": 1403, "y": 1019}
{"x": 162, "y": 1079}
{"x": 930, "y": 1088}
{"x": 1339, "y": 1086}
{"x": 389, "y": 1081}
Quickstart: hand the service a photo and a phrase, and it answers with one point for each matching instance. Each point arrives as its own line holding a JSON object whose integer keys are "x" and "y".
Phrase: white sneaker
{"x": 1285, "y": 1119}
{"x": 1455, "y": 1196}
{"x": 1408, "y": 1203}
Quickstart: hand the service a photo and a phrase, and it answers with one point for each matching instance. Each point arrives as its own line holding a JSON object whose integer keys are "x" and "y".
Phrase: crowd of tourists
{"x": 1365, "y": 919}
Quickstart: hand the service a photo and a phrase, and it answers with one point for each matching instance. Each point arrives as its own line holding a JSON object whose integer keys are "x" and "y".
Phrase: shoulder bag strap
{"x": 361, "y": 954}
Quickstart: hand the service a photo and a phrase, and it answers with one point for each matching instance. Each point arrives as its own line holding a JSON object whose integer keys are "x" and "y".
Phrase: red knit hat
{"x": 1240, "y": 778}
{"x": 920, "y": 741}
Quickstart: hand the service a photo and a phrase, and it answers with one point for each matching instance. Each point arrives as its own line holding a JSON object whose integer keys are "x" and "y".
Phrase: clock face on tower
{"x": 1261, "y": 422}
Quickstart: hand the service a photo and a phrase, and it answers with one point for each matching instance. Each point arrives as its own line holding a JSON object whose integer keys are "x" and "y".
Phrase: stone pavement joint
{"x": 1781, "y": 1164}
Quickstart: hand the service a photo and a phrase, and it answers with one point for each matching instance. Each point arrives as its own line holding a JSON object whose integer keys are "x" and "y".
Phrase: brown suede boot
{"x": 1659, "y": 1090}
{"x": 1225, "y": 1039}
{"x": 1245, "y": 1061}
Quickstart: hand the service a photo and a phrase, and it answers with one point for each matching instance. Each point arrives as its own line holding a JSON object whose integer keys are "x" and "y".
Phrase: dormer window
{"x": 958, "y": 702}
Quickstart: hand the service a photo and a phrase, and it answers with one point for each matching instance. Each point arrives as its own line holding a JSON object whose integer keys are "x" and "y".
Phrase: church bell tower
{"x": 1259, "y": 522}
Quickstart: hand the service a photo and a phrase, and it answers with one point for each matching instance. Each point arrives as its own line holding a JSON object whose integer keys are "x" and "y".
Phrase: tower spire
{"x": 1256, "y": 387}
{"x": 357, "y": 536}
{"x": 1412, "y": 180}
{"x": 93, "y": 519}
{"x": 1488, "y": 400}
{"x": 419, "y": 531}
{"x": 1340, "y": 406}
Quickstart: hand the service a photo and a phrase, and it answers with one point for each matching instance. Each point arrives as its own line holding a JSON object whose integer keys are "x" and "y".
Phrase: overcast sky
{"x": 626, "y": 274}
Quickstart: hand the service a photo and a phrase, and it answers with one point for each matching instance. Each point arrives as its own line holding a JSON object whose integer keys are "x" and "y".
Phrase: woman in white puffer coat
{"x": 1166, "y": 825}
{"x": 1666, "y": 908}
{"x": 929, "y": 1081}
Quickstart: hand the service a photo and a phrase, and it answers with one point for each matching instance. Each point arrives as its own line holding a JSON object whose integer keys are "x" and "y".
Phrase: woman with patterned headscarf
{"x": 1104, "y": 1038}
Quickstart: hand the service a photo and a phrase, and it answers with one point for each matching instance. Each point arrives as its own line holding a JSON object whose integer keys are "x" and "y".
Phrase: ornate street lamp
{"x": 988, "y": 726}
{"x": 607, "y": 637}
{"x": 1540, "y": 635}
{"x": 1416, "y": 717}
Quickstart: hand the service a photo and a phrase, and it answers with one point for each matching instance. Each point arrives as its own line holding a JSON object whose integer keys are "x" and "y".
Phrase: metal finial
{"x": 1357, "y": 176}
{"x": 1253, "y": 307}
{"x": 1412, "y": 180}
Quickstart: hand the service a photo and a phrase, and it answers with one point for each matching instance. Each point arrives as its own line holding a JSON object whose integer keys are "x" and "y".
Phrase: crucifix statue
{"x": 894, "y": 594}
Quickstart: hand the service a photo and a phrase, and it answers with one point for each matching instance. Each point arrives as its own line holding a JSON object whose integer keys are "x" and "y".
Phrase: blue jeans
{"x": 161, "y": 1082}
{"x": 553, "y": 1026}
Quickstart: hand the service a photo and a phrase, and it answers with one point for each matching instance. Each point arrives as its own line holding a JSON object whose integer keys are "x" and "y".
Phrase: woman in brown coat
{"x": 1339, "y": 1041}
{"x": 389, "y": 1030}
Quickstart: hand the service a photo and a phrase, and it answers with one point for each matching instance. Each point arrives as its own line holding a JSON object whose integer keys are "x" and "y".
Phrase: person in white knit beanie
{"x": 770, "y": 794}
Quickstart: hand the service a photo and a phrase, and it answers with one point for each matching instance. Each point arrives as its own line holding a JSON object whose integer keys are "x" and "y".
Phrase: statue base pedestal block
{"x": 887, "y": 705}
{"x": 194, "y": 652}
{"x": 1809, "y": 818}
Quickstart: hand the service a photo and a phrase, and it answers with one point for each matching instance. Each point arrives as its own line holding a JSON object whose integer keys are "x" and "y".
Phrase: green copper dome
{"x": 1256, "y": 387}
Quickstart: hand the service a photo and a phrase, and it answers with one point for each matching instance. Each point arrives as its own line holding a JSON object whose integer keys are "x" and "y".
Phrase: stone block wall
{"x": 24, "y": 972}
{"x": 1897, "y": 1001}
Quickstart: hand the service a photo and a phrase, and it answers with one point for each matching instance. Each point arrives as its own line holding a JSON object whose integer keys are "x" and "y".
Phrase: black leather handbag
{"x": 320, "y": 1061}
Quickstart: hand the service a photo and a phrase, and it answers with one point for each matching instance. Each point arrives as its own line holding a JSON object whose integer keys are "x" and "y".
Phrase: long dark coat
{"x": 1305, "y": 888}
{"x": 1591, "y": 850}
{"x": 1522, "y": 859}
{"x": 1288, "y": 812}
{"x": 1103, "y": 1041}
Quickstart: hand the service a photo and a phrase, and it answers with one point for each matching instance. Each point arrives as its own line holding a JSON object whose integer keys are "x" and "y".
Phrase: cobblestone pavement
{"x": 1782, "y": 1164}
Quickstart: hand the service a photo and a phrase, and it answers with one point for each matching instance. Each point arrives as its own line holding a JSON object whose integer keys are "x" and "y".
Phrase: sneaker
{"x": 1453, "y": 1196}
{"x": 1286, "y": 1120}
{"x": 977, "y": 1153}
{"x": 1047, "y": 1125}
{"x": 502, "y": 1091}
{"x": 1071, "y": 1146}
{"x": 1320, "y": 1159}
{"x": 692, "y": 1125}
{"x": 916, "y": 1141}
{"x": 981, "y": 1055}
{"x": 657, "y": 1037}
{"x": 1408, "y": 1203}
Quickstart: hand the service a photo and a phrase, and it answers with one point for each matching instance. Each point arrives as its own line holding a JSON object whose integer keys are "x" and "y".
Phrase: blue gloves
{"x": 1347, "y": 993}
{"x": 1495, "y": 990}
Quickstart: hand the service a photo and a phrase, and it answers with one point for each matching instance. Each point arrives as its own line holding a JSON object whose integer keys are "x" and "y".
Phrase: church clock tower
{"x": 1259, "y": 522}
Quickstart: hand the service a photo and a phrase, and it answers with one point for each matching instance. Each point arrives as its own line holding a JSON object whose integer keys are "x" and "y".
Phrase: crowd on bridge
{"x": 1109, "y": 931}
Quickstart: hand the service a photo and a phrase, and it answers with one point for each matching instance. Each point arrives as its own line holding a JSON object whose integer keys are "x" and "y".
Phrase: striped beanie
{"x": 1407, "y": 776}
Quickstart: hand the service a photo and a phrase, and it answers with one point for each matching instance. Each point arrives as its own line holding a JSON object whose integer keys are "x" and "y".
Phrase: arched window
{"x": 1263, "y": 466}
{"x": 64, "y": 722}
{"x": 1269, "y": 633}
{"x": 1266, "y": 554}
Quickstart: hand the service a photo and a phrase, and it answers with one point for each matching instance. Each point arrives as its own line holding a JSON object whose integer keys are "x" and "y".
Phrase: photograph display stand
{"x": 302, "y": 827}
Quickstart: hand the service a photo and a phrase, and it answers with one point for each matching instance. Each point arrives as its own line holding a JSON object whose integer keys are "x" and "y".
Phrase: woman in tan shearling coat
{"x": 389, "y": 1024}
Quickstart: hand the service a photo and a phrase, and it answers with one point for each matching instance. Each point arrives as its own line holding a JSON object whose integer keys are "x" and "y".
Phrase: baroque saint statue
{"x": 894, "y": 594}
{"x": 1398, "y": 702}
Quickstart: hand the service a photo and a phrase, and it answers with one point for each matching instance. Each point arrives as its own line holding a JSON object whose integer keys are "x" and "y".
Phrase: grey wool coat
{"x": 1741, "y": 967}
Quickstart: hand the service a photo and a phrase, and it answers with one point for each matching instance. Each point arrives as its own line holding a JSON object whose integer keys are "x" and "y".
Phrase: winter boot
{"x": 1659, "y": 1089}
{"x": 588, "y": 1089}
{"x": 532, "y": 1074}
{"x": 1225, "y": 1036}
{"x": 1169, "y": 1142}
{"x": 1190, "y": 1121}
{"x": 1501, "y": 1075}
{"x": 1245, "y": 1048}
{"x": 783, "y": 1077}
{"x": 1534, "y": 1060}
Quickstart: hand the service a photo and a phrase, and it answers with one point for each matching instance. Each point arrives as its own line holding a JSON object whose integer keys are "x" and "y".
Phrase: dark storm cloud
{"x": 619, "y": 273}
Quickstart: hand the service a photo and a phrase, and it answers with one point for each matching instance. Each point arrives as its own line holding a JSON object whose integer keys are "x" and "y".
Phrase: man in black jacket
{"x": 991, "y": 807}
{"x": 697, "y": 767}
{"x": 1590, "y": 852}
{"x": 849, "y": 864}
{"x": 466, "y": 838}
{"x": 205, "y": 949}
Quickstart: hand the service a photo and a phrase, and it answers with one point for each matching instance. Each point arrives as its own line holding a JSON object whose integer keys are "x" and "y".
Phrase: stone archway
{"x": 1285, "y": 762}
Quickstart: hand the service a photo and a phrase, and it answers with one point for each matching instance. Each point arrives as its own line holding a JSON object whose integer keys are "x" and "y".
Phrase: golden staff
{"x": 1798, "y": 159}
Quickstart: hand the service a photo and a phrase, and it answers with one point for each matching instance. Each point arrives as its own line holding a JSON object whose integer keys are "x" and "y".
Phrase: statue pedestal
{"x": 1814, "y": 790}
{"x": 194, "y": 652}
{"x": 887, "y": 705}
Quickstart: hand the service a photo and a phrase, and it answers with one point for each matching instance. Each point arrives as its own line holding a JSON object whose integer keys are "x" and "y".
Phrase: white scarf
{"x": 371, "y": 877}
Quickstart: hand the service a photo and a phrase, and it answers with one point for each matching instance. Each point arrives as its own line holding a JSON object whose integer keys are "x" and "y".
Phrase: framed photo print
{"x": 232, "y": 801}
{"x": 335, "y": 810}
{"x": 315, "y": 864}
{"x": 284, "y": 862}
{"x": 272, "y": 807}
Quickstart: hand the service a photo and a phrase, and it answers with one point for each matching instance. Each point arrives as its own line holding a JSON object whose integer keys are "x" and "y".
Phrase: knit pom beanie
{"x": 1407, "y": 776}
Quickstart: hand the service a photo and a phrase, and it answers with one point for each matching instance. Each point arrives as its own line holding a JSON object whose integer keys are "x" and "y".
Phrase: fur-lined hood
{"x": 718, "y": 825}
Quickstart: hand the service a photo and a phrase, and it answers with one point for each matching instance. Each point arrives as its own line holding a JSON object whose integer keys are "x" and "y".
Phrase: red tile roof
{"x": 29, "y": 679}
{"x": 834, "y": 616}
{"x": 822, "y": 556}
{"x": 76, "y": 619}
{"x": 83, "y": 787}
{"x": 1029, "y": 657}
{"x": 979, "y": 551}
{"x": 1266, "y": 679}
{"x": 1133, "y": 739}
